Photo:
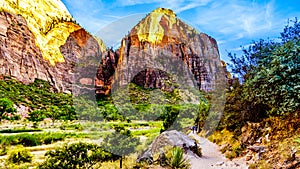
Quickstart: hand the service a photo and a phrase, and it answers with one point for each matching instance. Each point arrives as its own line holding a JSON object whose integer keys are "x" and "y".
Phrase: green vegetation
{"x": 7, "y": 110}
{"x": 76, "y": 155}
{"x": 38, "y": 96}
{"x": 263, "y": 103}
{"x": 19, "y": 130}
{"x": 37, "y": 116}
{"x": 145, "y": 132}
{"x": 35, "y": 139}
{"x": 176, "y": 160}
{"x": 19, "y": 155}
{"x": 121, "y": 142}
{"x": 270, "y": 71}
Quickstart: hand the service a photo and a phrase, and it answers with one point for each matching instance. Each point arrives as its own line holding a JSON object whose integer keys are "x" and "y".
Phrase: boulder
{"x": 169, "y": 138}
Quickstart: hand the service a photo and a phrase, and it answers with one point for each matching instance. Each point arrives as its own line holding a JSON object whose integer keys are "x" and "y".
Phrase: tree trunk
{"x": 121, "y": 162}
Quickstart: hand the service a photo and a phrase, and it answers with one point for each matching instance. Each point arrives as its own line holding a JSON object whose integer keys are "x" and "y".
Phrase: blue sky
{"x": 231, "y": 22}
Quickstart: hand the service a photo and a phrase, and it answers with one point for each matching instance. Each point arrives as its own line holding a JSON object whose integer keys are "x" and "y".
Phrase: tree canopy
{"x": 7, "y": 110}
{"x": 270, "y": 70}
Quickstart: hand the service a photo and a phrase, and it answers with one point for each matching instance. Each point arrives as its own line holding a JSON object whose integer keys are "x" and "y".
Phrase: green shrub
{"x": 76, "y": 155}
{"x": 54, "y": 138}
{"x": 19, "y": 155}
{"x": 17, "y": 166}
{"x": 78, "y": 127}
{"x": 19, "y": 130}
{"x": 29, "y": 140}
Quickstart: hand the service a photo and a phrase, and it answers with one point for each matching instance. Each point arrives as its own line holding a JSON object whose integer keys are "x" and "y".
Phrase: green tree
{"x": 170, "y": 118}
{"x": 87, "y": 109}
{"x": 36, "y": 116}
{"x": 270, "y": 72}
{"x": 53, "y": 112}
{"x": 121, "y": 142}
{"x": 202, "y": 114}
{"x": 276, "y": 82}
{"x": 7, "y": 110}
{"x": 75, "y": 156}
{"x": 69, "y": 113}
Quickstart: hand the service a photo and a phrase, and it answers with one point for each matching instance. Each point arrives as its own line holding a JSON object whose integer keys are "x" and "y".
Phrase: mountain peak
{"x": 162, "y": 25}
{"x": 164, "y": 11}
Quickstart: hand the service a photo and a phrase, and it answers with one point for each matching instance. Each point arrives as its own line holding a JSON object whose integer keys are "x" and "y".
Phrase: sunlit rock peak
{"x": 162, "y": 25}
{"x": 49, "y": 21}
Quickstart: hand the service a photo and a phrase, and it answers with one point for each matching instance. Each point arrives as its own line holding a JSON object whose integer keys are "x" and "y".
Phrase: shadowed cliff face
{"x": 160, "y": 48}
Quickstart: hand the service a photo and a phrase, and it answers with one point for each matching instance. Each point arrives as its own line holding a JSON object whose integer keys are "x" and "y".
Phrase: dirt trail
{"x": 213, "y": 158}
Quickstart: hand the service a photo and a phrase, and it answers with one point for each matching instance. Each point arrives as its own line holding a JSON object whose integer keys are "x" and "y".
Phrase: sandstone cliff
{"x": 162, "y": 50}
{"x": 40, "y": 40}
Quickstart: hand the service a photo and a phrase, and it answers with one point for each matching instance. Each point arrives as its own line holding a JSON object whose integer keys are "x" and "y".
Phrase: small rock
{"x": 220, "y": 163}
{"x": 267, "y": 138}
{"x": 259, "y": 140}
{"x": 249, "y": 157}
{"x": 257, "y": 148}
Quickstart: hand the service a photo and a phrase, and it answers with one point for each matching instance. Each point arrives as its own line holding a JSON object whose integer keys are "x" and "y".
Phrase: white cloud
{"x": 237, "y": 18}
{"x": 86, "y": 13}
{"x": 134, "y": 2}
{"x": 176, "y": 5}
{"x": 113, "y": 32}
{"x": 241, "y": 48}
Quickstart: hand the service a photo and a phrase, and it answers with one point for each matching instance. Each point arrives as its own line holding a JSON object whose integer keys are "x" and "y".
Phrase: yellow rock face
{"x": 152, "y": 29}
{"x": 49, "y": 21}
{"x": 101, "y": 44}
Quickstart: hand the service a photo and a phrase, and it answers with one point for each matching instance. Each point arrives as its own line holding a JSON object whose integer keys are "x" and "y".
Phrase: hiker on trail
{"x": 194, "y": 128}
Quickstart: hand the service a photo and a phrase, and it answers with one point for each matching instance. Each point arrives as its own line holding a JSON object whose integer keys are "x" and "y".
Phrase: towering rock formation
{"x": 40, "y": 40}
{"x": 162, "y": 50}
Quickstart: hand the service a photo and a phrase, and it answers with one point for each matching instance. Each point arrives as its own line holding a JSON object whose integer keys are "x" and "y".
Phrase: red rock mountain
{"x": 161, "y": 46}
{"x": 161, "y": 51}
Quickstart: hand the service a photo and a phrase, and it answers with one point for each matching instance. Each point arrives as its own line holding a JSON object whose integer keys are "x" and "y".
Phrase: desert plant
{"x": 176, "y": 159}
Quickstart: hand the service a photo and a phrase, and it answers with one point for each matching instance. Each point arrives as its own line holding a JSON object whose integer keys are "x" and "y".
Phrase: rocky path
{"x": 213, "y": 158}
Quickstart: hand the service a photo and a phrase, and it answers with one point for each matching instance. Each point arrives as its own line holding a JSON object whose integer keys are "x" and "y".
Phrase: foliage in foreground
{"x": 176, "y": 159}
{"x": 75, "y": 156}
{"x": 19, "y": 155}
{"x": 121, "y": 142}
